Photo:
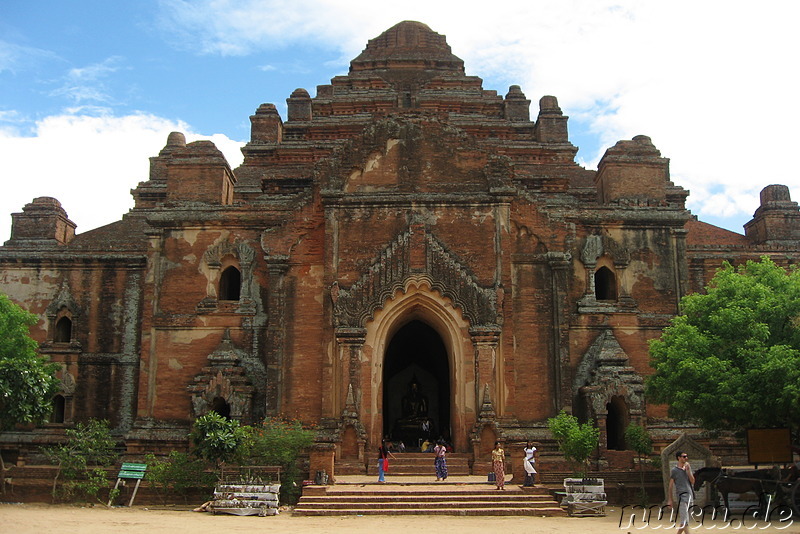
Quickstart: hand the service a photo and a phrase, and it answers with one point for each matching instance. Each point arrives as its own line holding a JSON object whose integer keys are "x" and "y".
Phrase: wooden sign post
{"x": 130, "y": 472}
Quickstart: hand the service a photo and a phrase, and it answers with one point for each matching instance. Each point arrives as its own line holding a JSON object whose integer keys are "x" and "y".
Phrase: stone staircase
{"x": 421, "y": 464}
{"x": 443, "y": 498}
{"x": 410, "y": 488}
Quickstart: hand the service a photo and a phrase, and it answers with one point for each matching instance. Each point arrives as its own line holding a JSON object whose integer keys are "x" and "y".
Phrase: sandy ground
{"x": 43, "y": 519}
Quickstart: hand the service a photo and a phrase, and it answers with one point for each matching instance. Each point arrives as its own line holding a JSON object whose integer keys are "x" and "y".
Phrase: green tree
{"x": 732, "y": 358}
{"x": 82, "y": 461}
{"x": 576, "y": 441}
{"x": 27, "y": 381}
{"x": 217, "y": 439}
{"x": 639, "y": 441}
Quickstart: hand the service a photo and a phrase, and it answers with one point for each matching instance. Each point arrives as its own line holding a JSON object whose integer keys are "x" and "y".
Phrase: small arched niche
{"x": 605, "y": 284}
{"x": 230, "y": 284}
{"x": 63, "y": 330}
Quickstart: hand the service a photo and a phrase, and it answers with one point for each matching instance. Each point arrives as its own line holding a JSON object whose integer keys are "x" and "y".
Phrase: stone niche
{"x": 699, "y": 457}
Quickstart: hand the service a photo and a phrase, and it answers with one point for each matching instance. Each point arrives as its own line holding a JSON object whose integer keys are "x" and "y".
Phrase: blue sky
{"x": 89, "y": 89}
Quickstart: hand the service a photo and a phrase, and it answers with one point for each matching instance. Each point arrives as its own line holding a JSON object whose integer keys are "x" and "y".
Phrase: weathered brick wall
{"x": 102, "y": 299}
{"x": 403, "y": 191}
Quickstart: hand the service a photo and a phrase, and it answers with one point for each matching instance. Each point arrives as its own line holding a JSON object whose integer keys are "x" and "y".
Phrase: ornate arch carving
{"x": 594, "y": 247}
{"x": 388, "y": 273}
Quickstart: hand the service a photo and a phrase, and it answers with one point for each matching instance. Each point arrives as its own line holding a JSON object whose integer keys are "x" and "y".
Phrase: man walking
{"x": 681, "y": 480}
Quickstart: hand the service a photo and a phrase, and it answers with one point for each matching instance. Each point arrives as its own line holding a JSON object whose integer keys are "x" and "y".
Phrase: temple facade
{"x": 405, "y": 254}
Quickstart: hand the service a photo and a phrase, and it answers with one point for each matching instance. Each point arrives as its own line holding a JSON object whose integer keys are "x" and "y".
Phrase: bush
{"x": 279, "y": 442}
{"x": 273, "y": 442}
{"x": 217, "y": 439}
{"x": 177, "y": 474}
{"x": 82, "y": 461}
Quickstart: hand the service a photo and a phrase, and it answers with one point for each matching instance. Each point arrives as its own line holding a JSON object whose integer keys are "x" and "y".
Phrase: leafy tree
{"x": 27, "y": 381}
{"x": 82, "y": 461}
{"x": 279, "y": 442}
{"x": 577, "y": 441}
{"x": 217, "y": 439}
{"x": 639, "y": 441}
{"x": 732, "y": 358}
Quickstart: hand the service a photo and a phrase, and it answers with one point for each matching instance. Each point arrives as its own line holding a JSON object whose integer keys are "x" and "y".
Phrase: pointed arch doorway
{"x": 416, "y": 391}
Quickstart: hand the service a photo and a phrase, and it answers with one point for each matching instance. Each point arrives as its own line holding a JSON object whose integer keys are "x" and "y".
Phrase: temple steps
{"x": 416, "y": 498}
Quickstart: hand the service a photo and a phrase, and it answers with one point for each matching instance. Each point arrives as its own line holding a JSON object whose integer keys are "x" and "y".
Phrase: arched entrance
{"x": 416, "y": 391}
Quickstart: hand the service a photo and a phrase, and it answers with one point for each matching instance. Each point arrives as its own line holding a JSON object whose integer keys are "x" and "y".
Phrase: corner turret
{"x": 633, "y": 172}
{"x": 551, "y": 125}
{"x": 299, "y": 106}
{"x": 777, "y": 220}
{"x": 43, "y": 221}
{"x": 199, "y": 173}
{"x": 516, "y": 107}
{"x": 266, "y": 125}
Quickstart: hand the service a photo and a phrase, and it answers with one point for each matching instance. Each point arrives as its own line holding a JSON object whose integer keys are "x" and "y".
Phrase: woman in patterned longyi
{"x": 498, "y": 457}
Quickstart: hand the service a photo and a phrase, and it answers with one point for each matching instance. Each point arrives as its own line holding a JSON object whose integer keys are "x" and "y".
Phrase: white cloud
{"x": 713, "y": 84}
{"x": 88, "y": 163}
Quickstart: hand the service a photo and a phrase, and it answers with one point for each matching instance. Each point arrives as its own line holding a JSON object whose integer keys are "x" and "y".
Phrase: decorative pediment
{"x": 63, "y": 299}
{"x": 596, "y": 245}
{"x": 226, "y": 378}
{"x": 415, "y": 253}
{"x": 244, "y": 253}
{"x": 605, "y": 372}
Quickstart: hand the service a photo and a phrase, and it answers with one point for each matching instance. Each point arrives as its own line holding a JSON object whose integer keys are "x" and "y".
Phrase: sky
{"x": 90, "y": 89}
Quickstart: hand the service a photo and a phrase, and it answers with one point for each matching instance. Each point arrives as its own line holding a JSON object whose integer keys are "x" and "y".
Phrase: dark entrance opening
{"x": 416, "y": 386}
{"x": 222, "y": 407}
{"x": 616, "y": 422}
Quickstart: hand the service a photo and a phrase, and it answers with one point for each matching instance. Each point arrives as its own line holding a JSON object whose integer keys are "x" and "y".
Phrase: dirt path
{"x": 45, "y": 519}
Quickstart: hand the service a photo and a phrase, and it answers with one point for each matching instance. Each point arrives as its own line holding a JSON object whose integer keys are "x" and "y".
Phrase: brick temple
{"x": 405, "y": 254}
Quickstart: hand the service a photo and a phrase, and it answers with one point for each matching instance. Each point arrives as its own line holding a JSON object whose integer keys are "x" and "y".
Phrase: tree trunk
{"x": 3, "y": 475}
